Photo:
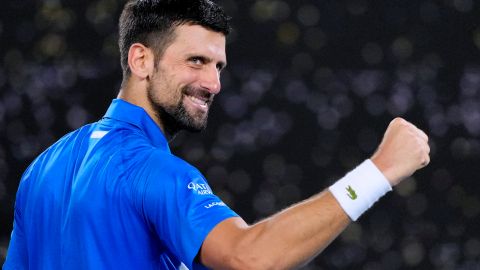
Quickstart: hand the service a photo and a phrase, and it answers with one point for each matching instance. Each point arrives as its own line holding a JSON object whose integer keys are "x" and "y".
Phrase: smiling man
{"x": 177, "y": 91}
{"x": 110, "y": 195}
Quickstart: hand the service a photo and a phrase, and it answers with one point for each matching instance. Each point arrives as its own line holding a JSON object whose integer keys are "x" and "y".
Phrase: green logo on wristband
{"x": 351, "y": 193}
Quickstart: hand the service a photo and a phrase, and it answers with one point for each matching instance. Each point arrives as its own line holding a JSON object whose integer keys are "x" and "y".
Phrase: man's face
{"x": 186, "y": 78}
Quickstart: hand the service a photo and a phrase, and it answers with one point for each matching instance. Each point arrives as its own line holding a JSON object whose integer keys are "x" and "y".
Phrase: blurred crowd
{"x": 308, "y": 92}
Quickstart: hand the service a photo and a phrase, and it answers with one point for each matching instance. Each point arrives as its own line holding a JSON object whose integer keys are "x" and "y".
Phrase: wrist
{"x": 357, "y": 191}
{"x": 385, "y": 169}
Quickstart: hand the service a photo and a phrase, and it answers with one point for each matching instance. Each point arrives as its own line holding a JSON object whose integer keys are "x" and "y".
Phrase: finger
{"x": 423, "y": 135}
{"x": 426, "y": 161}
{"x": 426, "y": 155}
{"x": 420, "y": 132}
{"x": 428, "y": 148}
{"x": 423, "y": 144}
{"x": 398, "y": 121}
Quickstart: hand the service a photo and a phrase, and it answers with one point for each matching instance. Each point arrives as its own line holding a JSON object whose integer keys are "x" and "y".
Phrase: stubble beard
{"x": 175, "y": 117}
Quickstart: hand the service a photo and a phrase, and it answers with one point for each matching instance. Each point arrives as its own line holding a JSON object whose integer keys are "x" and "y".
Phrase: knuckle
{"x": 418, "y": 143}
{"x": 426, "y": 161}
{"x": 397, "y": 121}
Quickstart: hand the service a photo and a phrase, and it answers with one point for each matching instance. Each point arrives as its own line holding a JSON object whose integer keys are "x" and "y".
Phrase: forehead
{"x": 196, "y": 39}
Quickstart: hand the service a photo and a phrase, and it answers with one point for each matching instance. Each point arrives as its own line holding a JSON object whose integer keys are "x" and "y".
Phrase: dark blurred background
{"x": 309, "y": 90}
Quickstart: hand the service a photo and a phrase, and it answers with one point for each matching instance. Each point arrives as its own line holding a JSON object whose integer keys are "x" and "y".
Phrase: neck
{"x": 135, "y": 95}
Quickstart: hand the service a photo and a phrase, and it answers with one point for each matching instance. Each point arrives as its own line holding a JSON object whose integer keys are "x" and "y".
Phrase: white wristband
{"x": 357, "y": 191}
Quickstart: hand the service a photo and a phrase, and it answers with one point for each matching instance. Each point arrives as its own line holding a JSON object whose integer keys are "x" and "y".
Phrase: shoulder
{"x": 69, "y": 140}
{"x": 51, "y": 161}
{"x": 163, "y": 164}
{"x": 165, "y": 175}
{"x": 61, "y": 147}
{"x": 165, "y": 178}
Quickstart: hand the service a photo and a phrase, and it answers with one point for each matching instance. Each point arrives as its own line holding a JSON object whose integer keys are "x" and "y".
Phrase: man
{"x": 110, "y": 195}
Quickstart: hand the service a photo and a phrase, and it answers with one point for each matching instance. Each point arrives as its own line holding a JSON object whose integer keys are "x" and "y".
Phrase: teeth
{"x": 198, "y": 101}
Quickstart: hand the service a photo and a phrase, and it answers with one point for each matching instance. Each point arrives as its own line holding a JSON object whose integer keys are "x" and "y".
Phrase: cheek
{"x": 171, "y": 83}
{"x": 187, "y": 76}
{"x": 161, "y": 91}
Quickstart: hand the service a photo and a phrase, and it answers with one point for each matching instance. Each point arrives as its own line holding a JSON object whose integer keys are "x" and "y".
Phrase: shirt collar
{"x": 122, "y": 110}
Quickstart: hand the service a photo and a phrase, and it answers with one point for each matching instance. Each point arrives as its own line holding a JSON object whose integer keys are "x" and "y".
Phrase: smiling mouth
{"x": 202, "y": 102}
{"x": 199, "y": 98}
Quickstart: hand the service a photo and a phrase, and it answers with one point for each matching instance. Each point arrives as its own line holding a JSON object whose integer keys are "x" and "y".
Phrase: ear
{"x": 140, "y": 60}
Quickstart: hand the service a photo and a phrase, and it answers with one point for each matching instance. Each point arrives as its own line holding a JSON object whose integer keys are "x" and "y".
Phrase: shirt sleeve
{"x": 182, "y": 209}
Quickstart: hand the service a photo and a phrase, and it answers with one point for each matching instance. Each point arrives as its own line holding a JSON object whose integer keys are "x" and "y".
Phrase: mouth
{"x": 199, "y": 99}
{"x": 203, "y": 103}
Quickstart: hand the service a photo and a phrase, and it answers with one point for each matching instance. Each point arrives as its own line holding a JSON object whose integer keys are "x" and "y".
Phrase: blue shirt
{"x": 110, "y": 195}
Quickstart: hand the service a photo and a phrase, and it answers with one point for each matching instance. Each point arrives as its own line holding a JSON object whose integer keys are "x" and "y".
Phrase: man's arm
{"x": 286, "y": 240}
{"x": 296, "y": 235}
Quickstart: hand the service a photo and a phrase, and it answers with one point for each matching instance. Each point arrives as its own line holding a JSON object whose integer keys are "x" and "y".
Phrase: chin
{"x": 190, "y": 124}
{"x": 199, "y": 126}
{"x": 181, "y": 117}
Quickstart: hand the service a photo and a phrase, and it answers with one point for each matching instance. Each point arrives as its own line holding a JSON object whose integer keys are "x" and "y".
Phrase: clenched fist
{"x": 403, "y": 150}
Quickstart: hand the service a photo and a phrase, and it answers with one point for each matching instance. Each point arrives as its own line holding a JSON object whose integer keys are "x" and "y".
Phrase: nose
{"x": 211, "y": 80}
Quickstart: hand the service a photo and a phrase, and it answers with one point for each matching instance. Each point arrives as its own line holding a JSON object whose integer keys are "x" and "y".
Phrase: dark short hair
{"x": 152, "y": 23}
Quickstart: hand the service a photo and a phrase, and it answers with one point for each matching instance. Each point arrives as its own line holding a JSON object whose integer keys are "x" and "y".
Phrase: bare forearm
{"x": 294, "y": 236}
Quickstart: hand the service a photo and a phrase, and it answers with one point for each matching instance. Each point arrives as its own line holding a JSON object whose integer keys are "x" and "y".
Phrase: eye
{"x": 197, "y": 60}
